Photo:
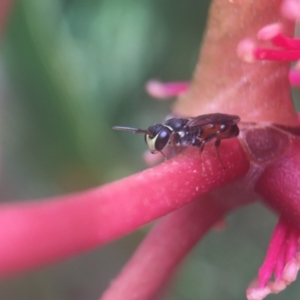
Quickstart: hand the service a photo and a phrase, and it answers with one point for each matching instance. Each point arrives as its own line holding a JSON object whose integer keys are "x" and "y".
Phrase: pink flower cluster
{"x": 179, "y": 189}
{"x": 283, "y": 257}
{"x": 274, "y": 45}
{"x": 282, "y": 261}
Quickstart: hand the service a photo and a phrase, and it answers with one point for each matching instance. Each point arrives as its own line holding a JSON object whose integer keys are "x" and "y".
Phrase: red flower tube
{"x": 195, "y": 190}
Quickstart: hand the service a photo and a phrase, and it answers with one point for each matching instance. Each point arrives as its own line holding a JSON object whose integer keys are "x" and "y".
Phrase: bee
{"x": 183, "y": 132}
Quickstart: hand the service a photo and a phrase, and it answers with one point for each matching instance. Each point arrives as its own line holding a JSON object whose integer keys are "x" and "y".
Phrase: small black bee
{"x": 182, "y": 132}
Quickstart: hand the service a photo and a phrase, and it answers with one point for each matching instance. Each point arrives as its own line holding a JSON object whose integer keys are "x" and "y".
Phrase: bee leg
{"x": 201, "y": 145}
{"x": 217, "y": 145}
{"x": 165, "y": 158}
{"x": 175, "y": 142}
{"x": 173, "y": 139}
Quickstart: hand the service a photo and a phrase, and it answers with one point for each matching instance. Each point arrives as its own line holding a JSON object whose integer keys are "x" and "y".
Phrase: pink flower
{"x": 282, "y": 261}
{"x": 193, "y": 192}
{"x": 165, "y": 90}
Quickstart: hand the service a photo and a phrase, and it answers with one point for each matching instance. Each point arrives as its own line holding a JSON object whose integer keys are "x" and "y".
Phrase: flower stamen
{"x": 282, "y": 260}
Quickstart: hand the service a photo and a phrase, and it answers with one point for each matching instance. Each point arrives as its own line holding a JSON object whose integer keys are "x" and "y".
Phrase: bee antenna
{"x": 134, "y": 130}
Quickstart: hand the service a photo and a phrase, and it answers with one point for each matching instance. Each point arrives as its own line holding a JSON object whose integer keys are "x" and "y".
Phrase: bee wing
{"x": 212, "y": 119}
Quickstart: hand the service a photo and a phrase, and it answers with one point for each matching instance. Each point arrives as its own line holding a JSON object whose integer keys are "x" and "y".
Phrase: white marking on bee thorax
{"x": 181, "y": 134}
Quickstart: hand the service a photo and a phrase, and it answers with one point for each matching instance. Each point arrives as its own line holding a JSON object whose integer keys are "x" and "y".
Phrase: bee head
{"x": 157, "y": 137}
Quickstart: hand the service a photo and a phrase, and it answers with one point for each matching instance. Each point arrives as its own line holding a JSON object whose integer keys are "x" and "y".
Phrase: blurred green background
{"x": 72, "y": 69}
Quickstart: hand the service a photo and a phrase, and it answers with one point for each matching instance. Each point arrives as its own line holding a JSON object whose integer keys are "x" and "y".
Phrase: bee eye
{"x": 158, "y": 137}
{"x": 162, "y": 139}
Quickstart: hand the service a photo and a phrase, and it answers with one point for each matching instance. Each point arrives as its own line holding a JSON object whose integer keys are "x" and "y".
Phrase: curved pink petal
{"x": 294, "y": 77}
{"x": 280, "y": 183}
{"x": 275, "y": 247}
{"x": 291, "y": 9}
{"x": 163, "y": 249}
{"x": 163, "y": 90}
{"x": 5, "y": 6}
{"x": 37, "y": 233}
